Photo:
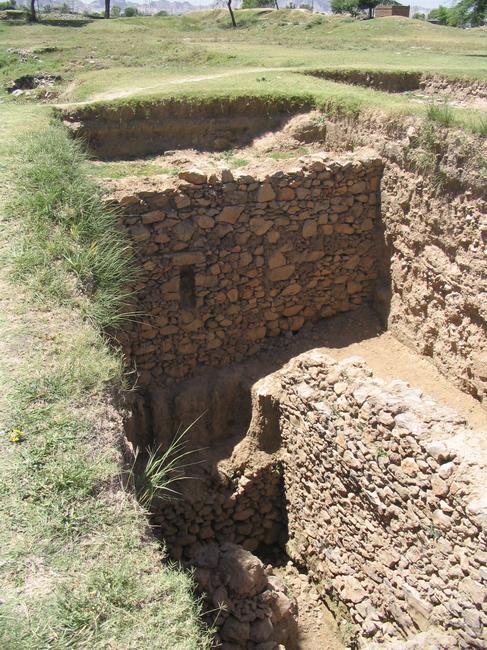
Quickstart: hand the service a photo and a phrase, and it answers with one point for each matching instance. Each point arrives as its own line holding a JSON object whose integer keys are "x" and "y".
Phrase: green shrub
{"x": 130, "y": 12}
{"x": 72, "y": 249}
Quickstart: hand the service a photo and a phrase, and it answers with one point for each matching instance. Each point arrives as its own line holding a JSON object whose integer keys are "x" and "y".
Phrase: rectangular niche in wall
{"x": 187, "y": 288}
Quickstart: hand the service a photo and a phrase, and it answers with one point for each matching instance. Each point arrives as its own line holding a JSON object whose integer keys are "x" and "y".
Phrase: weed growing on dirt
{"x": 162, "y": 470}
{"x": 441, "y": 113}
{"x": 423, "y": 151}
{"x": 481, "y": 127}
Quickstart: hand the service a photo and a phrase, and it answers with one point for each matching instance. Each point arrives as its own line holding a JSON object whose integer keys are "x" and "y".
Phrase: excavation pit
{"x": 370, "y": 488}
{"x": 138, "y": 129}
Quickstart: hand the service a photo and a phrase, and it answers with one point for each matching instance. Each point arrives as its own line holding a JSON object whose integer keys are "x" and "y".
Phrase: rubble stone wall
{"x": 228, "y": 261}
{"x": 236, "y": 502}
{"x": 385, "y": 498}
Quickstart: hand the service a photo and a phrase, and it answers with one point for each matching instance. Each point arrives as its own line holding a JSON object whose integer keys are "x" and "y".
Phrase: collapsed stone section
{"x": 385, "y": 500}
{"x": 226, "y": 509}
{"x": 255, "y": 610}
{"x": 230, "y": 260}
{"x": 237, "y": 500}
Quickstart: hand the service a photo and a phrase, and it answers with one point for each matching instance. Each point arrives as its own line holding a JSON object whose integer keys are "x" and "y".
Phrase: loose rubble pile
{"x": 254, "y": 257}
{"x": 30, "y": 82}
{"x": 254, "y": 610}
{"x": 385, "y": 494}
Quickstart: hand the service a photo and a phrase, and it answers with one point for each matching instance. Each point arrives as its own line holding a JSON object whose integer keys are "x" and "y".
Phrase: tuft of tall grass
{"x": 481, "y": 127}
{"x": 71, "y": 249}
{"x": 440, "y": 113}
{"x": 163, "y": 469}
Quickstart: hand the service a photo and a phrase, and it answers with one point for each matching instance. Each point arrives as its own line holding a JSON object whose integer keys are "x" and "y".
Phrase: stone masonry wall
{"x": 385, "y": 498}
{"x": 227, "y": 261}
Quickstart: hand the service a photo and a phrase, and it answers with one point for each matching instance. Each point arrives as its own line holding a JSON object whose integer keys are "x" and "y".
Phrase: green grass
{"x": 287, "y": 89}
{"x": 480, "y": 126}
{"x": 173, "y": 56}
{"x": 441, "y": 113}
{"x": 138, "y": 52}
{"x": 78, "y": 567}
{"x": 71, "y": 248}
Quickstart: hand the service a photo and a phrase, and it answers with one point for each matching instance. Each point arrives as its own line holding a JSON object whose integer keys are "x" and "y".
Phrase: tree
{"x": 419, "y": 16}
{"x": 232, "y": 15}
{"x": 107, "y": 9}
{"x": 345, "y": 7}
{"x": 368, "y": 5}
{"x": 255, "y": 4}
{"x": 440, "y": 14}
{"x": 130, "y": 12}
{"x": 468, "y": 12}
{"x": 33, "y": 14}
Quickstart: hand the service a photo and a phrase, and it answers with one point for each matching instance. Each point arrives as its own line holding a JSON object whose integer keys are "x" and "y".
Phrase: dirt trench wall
{"x": 141, "y": 129}
{"x": 228, "y": 261}
{"x": 385, "y": 499}
{"x": 392, "y": 82}
{"x": 434, "y": 286}
{"x": 438, "y": 87}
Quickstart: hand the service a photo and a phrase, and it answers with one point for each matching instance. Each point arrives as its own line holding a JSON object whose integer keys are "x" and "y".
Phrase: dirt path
{"x": 390, "y": 359}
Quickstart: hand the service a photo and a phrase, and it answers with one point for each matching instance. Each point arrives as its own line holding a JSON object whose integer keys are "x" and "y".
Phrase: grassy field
{"x": 199, "y": 55}
{"x": 77, "y": 569}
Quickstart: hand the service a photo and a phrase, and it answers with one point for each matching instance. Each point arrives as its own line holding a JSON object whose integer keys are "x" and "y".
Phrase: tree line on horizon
{"x": 466, "y": 13}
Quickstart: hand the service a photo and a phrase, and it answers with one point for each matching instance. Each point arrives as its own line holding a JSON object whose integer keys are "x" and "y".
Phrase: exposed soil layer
{"x": 266, "y": 154}
{"x": 140, "y": 129}
{"x": 433, "y": 210}
{"x": 425, "y": 87}
{"x": 391, "y": 82}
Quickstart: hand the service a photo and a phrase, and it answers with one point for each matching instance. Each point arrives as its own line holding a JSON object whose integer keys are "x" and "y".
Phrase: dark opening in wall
{"x": 186, "y": 288}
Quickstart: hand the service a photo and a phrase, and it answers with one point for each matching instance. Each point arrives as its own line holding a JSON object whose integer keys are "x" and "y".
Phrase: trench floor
{"x": 317, "y": 627}
{"x": 359, "y": 333}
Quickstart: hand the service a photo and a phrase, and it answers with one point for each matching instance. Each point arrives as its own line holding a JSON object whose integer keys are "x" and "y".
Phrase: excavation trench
{"x": 371, "y": 490}
{"x": 228, "y": 520}
{"x": 136, "y": 129}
